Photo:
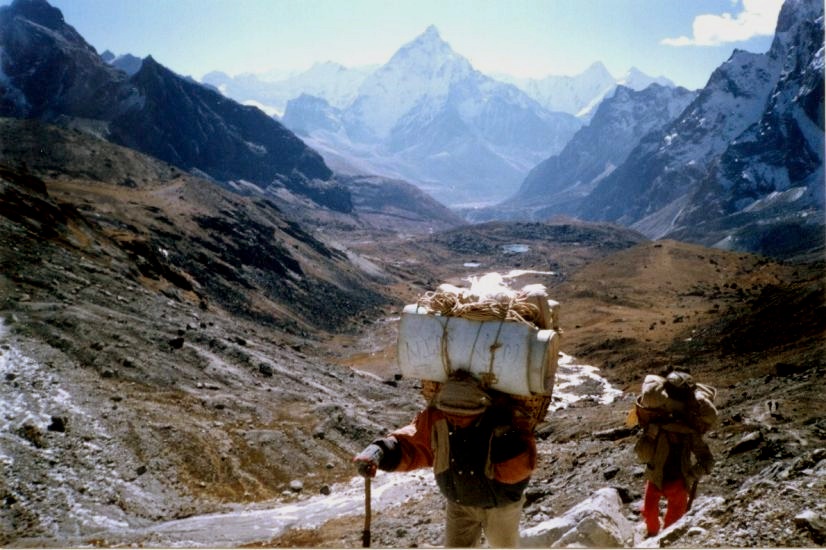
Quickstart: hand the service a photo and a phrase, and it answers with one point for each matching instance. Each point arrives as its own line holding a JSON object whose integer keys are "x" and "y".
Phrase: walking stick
{"x": 365, "y": 535}
{"x": 692, "y": 494}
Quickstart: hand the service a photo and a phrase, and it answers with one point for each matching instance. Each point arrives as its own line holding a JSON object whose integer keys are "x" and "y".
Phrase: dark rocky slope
{"x": 169, "y": 333}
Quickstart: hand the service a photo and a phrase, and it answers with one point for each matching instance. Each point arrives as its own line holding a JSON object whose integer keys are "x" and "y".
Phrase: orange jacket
{"x": 512, "y": 452}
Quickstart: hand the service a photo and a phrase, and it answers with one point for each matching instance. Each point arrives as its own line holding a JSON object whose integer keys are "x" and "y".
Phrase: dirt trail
{"x": 246, "y": 526}
{"x": 263, "y": 522}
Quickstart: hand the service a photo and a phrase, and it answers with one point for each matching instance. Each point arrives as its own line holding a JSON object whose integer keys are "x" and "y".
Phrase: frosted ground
{"x": 244, "y": 526}
{"x": 38, "y": 392}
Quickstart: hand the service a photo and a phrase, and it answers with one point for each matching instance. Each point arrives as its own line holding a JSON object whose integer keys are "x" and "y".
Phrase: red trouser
{"x": 676, "y": 495}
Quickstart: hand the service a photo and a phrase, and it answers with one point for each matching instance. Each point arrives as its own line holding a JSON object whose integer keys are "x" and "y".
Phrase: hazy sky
{"x": 684, "y": 40}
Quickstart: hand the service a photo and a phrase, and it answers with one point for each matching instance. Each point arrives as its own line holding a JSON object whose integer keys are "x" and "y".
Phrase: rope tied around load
{"x": 489, "y": 378}
{"x": 488, "y": 310}
{"x": 445, "y": 355}
{"x": 449, "y": 304}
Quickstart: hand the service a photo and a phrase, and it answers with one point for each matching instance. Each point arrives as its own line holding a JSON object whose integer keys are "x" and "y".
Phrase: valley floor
{"x": 131, "y": 405}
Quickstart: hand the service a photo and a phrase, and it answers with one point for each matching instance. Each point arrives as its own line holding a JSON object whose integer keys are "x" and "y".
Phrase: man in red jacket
{"x": 482, "y": 457}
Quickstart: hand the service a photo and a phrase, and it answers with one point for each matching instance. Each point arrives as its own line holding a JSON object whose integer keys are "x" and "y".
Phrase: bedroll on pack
{"x": 655, "y": 400}
{"x": 506, "y": 341}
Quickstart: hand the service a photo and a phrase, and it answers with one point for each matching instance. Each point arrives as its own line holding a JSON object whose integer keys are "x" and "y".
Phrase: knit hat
{"x": 462, "y": 397}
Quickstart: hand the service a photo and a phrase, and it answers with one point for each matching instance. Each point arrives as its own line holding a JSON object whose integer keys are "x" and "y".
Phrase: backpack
{"x": 507, "y": 340}
{"x": 659, "y": 400}
{"x": 675, "y": 399}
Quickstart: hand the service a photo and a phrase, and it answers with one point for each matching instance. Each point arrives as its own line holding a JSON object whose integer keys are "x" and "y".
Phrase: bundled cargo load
{"x": 676, "y": 397}
{"x": 507, "y": 339}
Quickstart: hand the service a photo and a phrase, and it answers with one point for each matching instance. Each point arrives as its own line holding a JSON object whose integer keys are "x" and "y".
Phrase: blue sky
{"x": 684, "y": 40}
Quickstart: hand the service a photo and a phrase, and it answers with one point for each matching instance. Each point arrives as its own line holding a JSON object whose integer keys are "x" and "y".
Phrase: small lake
{"x": 515, "y": 248}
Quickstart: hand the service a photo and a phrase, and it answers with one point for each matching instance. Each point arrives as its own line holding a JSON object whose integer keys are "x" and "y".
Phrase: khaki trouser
{"x": 465, "y": 524}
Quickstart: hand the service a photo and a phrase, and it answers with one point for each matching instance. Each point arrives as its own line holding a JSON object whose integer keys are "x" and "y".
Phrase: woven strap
{"x": 440, "y": 442}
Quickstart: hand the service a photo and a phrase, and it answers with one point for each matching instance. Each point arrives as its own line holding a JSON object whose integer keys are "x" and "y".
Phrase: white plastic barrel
{"x": 522, "y": 360}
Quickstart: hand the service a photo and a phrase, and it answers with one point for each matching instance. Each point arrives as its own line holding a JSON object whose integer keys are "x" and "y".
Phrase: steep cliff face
{"x": 744, "y": 160}
{"x": 667, "y": 165}
{"x": 774, "y": 170}
{"x": 559, "y": 184}
{"x": 766, "y": 192}
{"x": 194, "y": 127}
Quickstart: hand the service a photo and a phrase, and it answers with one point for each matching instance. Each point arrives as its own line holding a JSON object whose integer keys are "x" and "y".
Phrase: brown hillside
{"x": 189, "y": 350}
{"x": 674, "y": 303}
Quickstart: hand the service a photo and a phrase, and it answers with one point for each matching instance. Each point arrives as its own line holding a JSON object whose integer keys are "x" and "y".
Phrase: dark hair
{"x": 680, "y": 387}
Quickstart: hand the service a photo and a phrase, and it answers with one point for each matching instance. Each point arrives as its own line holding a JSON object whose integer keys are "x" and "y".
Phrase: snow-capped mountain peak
{"x": 428, "y": 53}
{"x": 430, "y": 42}
{"x": 333, "y": 82}
{"x": 569, "y": 94}
{"x": 425, "y": 67}
{"x": 325, "y": 68}
{"x": 428, "y": 116}
{"x": 638, "y": 80}
{"x": 596, "y": 71}
{"x": 431, "y": 33}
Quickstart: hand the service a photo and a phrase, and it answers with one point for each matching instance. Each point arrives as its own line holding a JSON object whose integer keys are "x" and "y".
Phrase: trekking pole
{"x": 365, "y": 535}
{"x": 692, "y": 494}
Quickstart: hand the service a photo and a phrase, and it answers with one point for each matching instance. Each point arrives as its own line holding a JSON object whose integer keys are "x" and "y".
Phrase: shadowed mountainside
{"x": 53, "y": 75}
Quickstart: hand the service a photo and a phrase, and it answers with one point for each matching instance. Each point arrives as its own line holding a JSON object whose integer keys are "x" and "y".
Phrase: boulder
{"x": 748, "y": 442}
{"x": 814, "y": 523}
{"x": 597, "y": 522}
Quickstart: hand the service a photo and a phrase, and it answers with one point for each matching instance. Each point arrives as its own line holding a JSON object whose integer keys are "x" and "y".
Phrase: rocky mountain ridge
{"x": 741, "y": 167}
{"x": 581, "y": 94}
{"x": 711, "y": 167}
{"x": 336, "y": 84}
{"x": 769, "y": 184}
{"x": 127, "y": 63}
{"x": 52, "y": 74}
{"x": 560, "y": 184}
{"x": 143, "y": 105}
{"x": 429, "y": 117}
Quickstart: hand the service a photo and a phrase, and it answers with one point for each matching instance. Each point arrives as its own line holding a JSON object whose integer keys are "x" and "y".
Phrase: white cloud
{"x": 757, "y": 18}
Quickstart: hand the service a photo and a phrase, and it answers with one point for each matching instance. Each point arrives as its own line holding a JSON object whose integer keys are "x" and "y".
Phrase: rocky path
{"x": 265, "y": 522}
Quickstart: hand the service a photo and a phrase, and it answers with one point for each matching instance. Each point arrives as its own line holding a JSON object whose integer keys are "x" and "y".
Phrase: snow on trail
{"x": 262, "y": 522}
{"x": 574, "y": 382}
{"x": 31, "y": 398}
{"x": 246, "y": 526}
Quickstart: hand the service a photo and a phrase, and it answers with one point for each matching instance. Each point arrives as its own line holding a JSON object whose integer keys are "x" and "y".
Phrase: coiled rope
{"x": 504, "y": 307}
{"x": 450, "y": 304}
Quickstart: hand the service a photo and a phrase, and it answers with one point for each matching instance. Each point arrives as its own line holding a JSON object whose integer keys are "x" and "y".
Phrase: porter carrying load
{"x": 674, "y": 412}
{"x": 487, "y": 362}
{"x": 507, "y": 339}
